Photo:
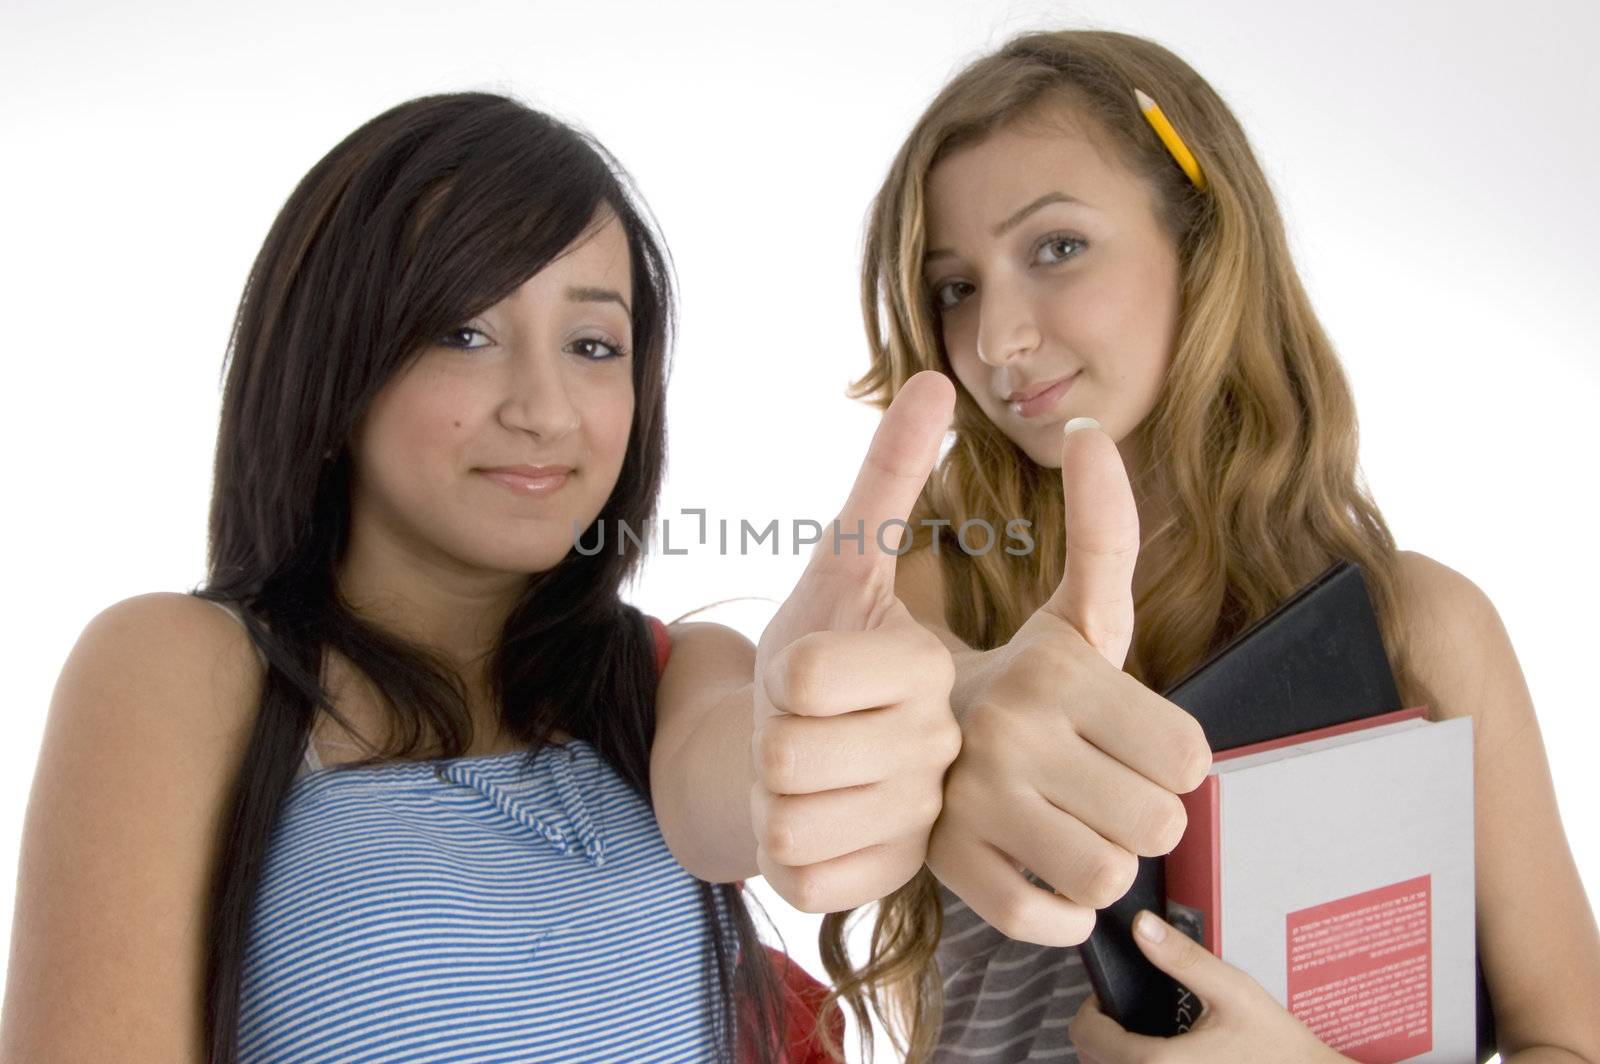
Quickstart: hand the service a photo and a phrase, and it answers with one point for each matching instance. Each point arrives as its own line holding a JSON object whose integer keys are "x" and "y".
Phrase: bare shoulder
{"x": 145, "y": 731}
{"x": 706, "y": 654}
{"x": 1441, "y": 600}
{"x": 1537, "y": 933}
{"x": 1447, "y": 616}
{"x": 164, "y": 670}
{"x": 1459, "y": 651}
{"x": 704, "y": 635}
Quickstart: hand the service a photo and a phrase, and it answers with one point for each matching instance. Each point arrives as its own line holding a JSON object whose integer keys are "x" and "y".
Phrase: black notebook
{"x": 1315, "y": 661}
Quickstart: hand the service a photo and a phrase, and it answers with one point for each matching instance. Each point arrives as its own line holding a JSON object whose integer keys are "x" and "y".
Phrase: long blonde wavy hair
{"x": 1250, "y": 447}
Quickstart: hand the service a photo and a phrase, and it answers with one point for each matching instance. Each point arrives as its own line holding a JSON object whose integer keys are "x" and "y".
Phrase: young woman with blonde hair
{"x": 1039, "y": 242}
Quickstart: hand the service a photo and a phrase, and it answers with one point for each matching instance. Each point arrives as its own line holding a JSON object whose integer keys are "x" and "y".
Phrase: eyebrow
{"x": 598, "y": 295}
{"x": 1012, "y": 222}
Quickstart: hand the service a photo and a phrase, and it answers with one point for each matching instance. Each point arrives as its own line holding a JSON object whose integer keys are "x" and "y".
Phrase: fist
{"x": 1069, "y": 768}
{"x": 853, "y": 729}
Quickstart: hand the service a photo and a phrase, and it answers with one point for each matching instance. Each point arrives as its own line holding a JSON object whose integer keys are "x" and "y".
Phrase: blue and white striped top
{"x": 475, "y": 909}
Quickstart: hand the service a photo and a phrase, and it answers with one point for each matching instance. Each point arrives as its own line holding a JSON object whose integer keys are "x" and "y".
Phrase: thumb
{"x": 1208, "y": 977}
{"x": 902, "y": 454}
{"x": 1095, "y": 595}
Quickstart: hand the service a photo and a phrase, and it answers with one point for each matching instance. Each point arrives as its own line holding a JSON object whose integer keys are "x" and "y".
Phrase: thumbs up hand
{"x": 1069, "y": 767}
{"x": 853, "y": 728}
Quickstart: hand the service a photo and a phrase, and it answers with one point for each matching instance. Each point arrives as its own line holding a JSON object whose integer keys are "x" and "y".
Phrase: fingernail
{"x": 1079, "y": 423}
{"x": 1149, "y": 926}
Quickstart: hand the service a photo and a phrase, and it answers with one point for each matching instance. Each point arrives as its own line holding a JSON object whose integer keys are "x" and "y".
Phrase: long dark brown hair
{"x": 425, "y": 216}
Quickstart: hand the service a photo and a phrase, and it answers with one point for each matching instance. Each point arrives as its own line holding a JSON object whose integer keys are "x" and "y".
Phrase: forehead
{"x": 601, "y": 248}
{"x": 598, "y": 259}
{"x": 1051, "y": 148}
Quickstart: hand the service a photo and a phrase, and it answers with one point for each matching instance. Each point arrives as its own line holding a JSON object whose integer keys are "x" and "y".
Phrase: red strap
{"x": 663, "y": 644}
{"x": 803, "y": 997}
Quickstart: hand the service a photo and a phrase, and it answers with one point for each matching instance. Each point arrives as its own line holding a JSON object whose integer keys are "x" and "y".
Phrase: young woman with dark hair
{"x": 414, "y": 792}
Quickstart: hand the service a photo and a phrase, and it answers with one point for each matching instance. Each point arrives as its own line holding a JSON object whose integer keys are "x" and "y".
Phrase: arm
{"x": 145, "y": 731}
{"x": 700, "y": 763}
{"x": 1536, "y": 931}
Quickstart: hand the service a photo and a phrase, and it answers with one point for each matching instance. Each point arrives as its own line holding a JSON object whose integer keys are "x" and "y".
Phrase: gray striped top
{"x": 1004, "y": 1000}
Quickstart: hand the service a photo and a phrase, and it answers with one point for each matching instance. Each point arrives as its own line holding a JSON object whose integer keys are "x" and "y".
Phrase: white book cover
{"x": 1344, "y": 875}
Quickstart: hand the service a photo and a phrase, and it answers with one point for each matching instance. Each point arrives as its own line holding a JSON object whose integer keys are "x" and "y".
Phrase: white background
{"x": 1434, "y": 162}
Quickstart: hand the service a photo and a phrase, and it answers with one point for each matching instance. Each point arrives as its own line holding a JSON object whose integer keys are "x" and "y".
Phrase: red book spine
{"x": 1194, "y": 868}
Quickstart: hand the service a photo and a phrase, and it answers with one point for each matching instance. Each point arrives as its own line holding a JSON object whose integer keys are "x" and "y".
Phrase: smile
{"x": 545, "y": 484}
{"x": 1041, "y": 401}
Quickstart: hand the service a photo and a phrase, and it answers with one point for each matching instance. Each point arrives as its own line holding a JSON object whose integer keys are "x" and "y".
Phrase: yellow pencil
{"x": 1169, "y": 136}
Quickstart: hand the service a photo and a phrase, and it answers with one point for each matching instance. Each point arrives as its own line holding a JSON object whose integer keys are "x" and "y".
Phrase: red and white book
{"x": 1336, "y": 868}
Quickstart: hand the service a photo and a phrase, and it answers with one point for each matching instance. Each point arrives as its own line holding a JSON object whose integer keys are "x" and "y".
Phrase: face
{"x": 510, "y": 427}
{"x": 1055, "y": 286}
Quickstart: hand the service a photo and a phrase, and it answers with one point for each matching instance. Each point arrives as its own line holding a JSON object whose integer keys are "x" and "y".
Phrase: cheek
{"x": 615, "y": 427}
{"x": 1092, "y": 318}
{"x": 419, "y": 422}
{"x": 1150, "y": 338}
{"x": 608, "y": 419}
{"x": 1123, "y": 324}
{"x": 961, "y": 349}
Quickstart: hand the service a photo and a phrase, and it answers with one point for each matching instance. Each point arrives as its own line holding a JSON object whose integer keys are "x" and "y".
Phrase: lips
{"x": 529, "y": 480}
{"x": 1032, "y": 391}
{"x": 533, "y": 472}
{"x": 1036, "y": 399}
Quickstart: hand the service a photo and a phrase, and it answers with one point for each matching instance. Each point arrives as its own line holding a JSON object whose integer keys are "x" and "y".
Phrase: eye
{"x": 447, "y": 339}
{"x": 950, "y": 293}
{"x": 1056, "y": 249}
{"x": 595, "y": 349}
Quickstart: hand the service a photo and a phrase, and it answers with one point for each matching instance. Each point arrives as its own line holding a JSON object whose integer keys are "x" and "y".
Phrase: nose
{"x": 537, "y": 398}
{"x": 1006, "y": 325}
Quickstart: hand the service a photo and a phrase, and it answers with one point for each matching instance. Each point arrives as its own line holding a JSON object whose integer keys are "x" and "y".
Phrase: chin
{"x": 1043, "y": 445}
{"x": 539, "y": 556}
{"x": 1049, "y": 459}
